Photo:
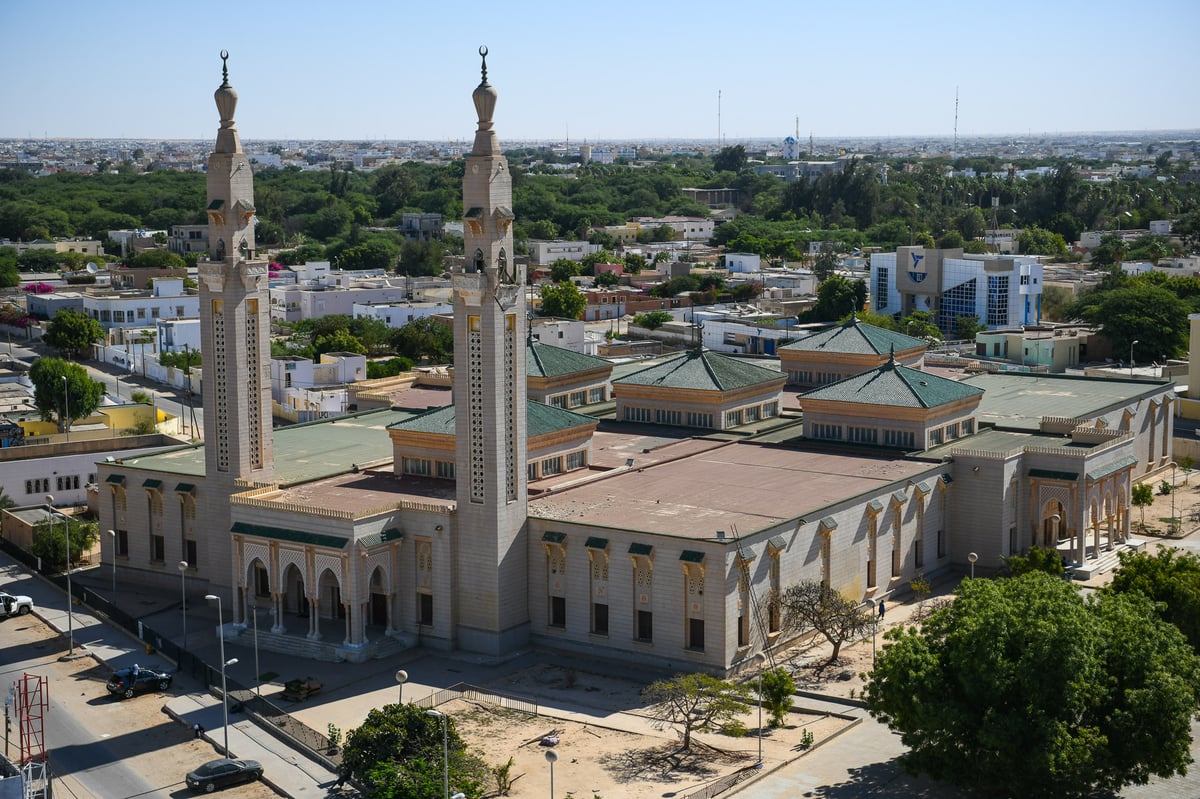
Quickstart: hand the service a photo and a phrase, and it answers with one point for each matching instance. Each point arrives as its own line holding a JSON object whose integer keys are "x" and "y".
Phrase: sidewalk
{"x": 285, "y": 769}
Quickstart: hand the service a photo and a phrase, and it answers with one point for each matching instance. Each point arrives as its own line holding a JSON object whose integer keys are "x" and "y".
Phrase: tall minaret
{"x": 489, "y": 396}
{"x": 235, "y": 336}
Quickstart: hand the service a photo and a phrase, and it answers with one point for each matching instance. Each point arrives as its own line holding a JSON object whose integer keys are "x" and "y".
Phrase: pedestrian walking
{"x": 882, "y": 609}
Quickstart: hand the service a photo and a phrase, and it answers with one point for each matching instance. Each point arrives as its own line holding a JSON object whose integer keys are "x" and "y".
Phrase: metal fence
{"x": 268, "y": 715}
{"x": 464, "y": 690}
{"x": 722, "y": 784}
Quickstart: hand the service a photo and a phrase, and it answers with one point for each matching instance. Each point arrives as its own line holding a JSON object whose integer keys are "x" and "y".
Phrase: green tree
{"x": 425, "y": 340}
{"x": 396, "y": 753}
{"x": 1143, "y": 497}
{"x": 652, "y": 320}
{"x": 694, "y": 703}
{"x": 1168, "y": 578}
{"x": 340, "y": 341}
{"x": 49, "y": 544}
{"x": 1153, "y": 316}
{"x": 1043, "y": 559}
{"x": 6, "y": 501}
{"x": 562, "y": 270}
{"x": 72, "y": 332}
{"x": 422, "y": 258}
{"x": 777, "y": 691}
{"x": 389, "y": 368}
{"x": 607, "y": 279}
{"x": 156, "y": 259}
{"x": 965, "y": 327}
{"x": 1037, "y": 241}
{"x": 826, "y": 263}
{"x": 812, "y": 606}
{"x": 730, "y": 159}
{"x": 1022, "y": 687}
{"x": 1111, "y": 250}
{"x": 563, "y": 301}
{"x": 63, "y": 392}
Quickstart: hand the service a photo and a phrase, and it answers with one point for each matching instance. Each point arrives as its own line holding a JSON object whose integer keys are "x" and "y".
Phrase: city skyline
{"x": 621, "y": 72}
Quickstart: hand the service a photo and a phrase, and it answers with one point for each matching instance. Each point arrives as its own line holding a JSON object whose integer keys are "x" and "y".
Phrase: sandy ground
{"x": 595, "y": 760}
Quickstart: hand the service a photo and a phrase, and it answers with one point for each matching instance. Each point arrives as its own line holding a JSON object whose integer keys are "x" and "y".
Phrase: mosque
{"x": 664, "y": 536}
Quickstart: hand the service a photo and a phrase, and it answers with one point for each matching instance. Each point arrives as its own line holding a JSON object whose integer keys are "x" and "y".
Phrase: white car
{"x": 14, "y": 605}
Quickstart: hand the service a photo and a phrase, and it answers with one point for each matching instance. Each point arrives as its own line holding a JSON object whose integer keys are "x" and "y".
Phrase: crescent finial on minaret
{"x": 224, "y": 67}
{"x": 483, "y": 51}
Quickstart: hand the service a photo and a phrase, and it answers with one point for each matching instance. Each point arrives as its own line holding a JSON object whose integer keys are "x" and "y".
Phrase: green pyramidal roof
{"x": 703, "y": 370}
{"x": 894, "y": 385}
{"x": 539, "y": 420}
{"x": 857, "y": 338}
{"x": 544, "y": 360}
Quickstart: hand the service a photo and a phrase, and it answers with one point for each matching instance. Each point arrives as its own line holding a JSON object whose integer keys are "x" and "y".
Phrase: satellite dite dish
{"x": 92, "y": 268}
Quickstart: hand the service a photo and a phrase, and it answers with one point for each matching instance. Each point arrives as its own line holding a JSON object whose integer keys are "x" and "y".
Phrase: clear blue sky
{"x": 598, "y": 70}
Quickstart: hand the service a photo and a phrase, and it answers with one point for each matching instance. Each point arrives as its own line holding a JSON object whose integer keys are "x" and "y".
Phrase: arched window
{"x": 503, "y": 263}
{"x": 478, "y": 261}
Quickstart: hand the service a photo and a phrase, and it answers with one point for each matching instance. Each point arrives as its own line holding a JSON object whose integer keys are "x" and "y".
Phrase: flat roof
{"x": 748, "y": 485}
{"x": 1019, "y": 401}
{"x": 1002, "y": 442}
{"x": 356, "y": 492}
{"x": 302, "y": 452}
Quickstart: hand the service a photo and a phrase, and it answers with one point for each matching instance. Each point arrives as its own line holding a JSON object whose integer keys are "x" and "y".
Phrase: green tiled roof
{"x": 284, "y": 534}
{"x": 856, "y": 338}
{"x": 115, "y": 478}
{"x": 544, "y": 360}
{"x": 691, "y": 556}
{"x": 702, "y": 370}
{"x": 186, "y": 488}
{"x": 554, "y": 537}
{"x": 539, "y": 420}
{"x": 777, "y": 541}
{"x": 640, "y": 549}
{"x": 1113, "y": 468}
{"x": 595, "y": 542}
{"x": 896, "y": 386}
{"x": 375, "y": 539}
{"x": 150, "y": 482}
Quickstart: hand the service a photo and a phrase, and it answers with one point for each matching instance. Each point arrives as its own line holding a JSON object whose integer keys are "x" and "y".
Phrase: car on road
{"x": 137, "y": 680}
{"x": 14, "y": 605}
{"x": 223, "y": 772}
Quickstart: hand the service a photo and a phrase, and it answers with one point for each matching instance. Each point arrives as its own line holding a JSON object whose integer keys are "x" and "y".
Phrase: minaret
{"x": 235, "y": 336}
{"x": 489, "y": 396}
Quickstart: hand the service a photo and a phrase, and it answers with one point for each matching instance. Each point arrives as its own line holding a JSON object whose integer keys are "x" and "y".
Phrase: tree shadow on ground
{"x": 668, "y": 762}
{"x": 887, "y": 778}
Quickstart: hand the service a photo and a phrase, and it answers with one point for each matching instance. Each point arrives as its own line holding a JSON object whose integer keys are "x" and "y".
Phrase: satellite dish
{"x": 92, "y": 268}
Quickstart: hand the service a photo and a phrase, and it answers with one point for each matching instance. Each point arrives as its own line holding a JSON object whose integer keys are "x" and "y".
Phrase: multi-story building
{"x": 999, "y": 291}
{"x": 186, "y": 239}
{"x": 167, "y": 299}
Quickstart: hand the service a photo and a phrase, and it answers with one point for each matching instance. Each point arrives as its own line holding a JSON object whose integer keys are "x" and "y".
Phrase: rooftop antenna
{"x": 954, "y": 150}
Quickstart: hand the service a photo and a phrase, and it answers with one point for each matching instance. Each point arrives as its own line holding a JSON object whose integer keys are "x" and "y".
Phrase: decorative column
{"x": 314, "y": 620}
{"x": 277, "y": 612}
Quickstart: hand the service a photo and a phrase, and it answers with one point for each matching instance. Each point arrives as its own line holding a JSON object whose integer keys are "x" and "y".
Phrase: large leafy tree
{"x": 1171, "y": 580}
{"x": 397, "y": 753}
{"x": 812, "y": 606}
{"x": 63, "y": 392}
{"x": 50, "y": 545}
{"x": 1140, "y": 311}
{"x": 1023, "y": 688}
{"x": 694, "y": 702}
{"x": 425, "y": 340}
{"x": 563, "y": 301}
{"x": 72, "y": 332}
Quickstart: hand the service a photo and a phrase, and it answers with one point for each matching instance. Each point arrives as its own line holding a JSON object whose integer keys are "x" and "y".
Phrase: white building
{"x": 399, "y": 314}
{"x": 547, "y": 252}
{"x": 166, "y": 300}
{"x": 743, "y": 262}
{"x": 1000, "y": 291}
{"x": 293, "y": 303}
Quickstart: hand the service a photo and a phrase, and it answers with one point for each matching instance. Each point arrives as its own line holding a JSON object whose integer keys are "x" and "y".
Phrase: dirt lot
{"x": 596, "y": 758}
{"x": 135, "y": 731}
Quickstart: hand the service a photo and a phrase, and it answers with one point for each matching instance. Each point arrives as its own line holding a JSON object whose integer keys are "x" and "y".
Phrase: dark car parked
{"x": 137, "y": 680}
{"x": 220, "y": 773}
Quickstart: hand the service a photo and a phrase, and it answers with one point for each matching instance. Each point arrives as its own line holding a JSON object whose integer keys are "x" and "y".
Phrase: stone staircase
{"x": 329, "y": 650}
{"x": 1108, "y": 560}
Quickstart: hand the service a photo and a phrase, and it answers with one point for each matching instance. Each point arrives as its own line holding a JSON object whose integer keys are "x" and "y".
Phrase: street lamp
{"x": 1135, "y": 341}
{"x": 112, "y": 534}
{"x": 183, "y": 567}
{"x": 971, "y": 558}
{"x": 437, "y": 714}
{"x": 70, "y": 596}
{"x": 552, "y": 758}
{"x": 257, "y": 671}
{"x": 402, "y": 677}
{"x": 224, "y": 693}
{"x": 66, "y": 410}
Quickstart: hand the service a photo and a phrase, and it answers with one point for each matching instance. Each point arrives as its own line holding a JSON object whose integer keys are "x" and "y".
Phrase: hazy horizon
{"x": 360, "y": 71}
